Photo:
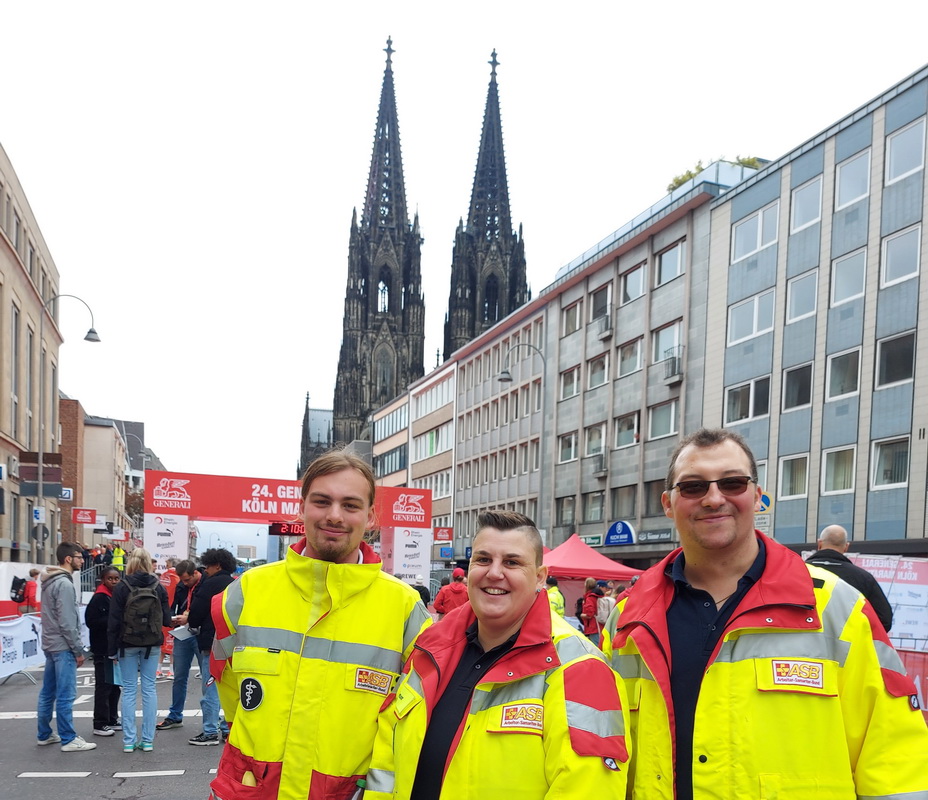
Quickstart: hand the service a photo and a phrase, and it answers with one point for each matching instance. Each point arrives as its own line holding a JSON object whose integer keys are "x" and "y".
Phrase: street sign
{"x": 593, "y": 539}
{"x": 38, "y": 514}
{"x": 31, "y": 489}
{"x": 766, "y": 503}
{"x": 40, "y": 533}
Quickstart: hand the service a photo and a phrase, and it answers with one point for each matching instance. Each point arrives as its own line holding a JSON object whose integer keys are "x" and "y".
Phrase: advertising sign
{"x": 165, "y": 536}
{"x": 221, "y": 497}
{"x": 904, "y": 581}
{"x": 620, "y": 533}
{"x": 405, "y": 519}
{"x": 19, "y": 644}
{"x": 444, "y": 534}
{"x": 84, "y": 516}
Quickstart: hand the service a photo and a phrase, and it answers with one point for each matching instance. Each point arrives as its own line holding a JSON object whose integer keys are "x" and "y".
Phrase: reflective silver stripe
{"x": 414, "y": 621}
{"x": 380, "y": 780}
{"x": 353, "y": 653}
{"x": 531, "y": 688}
{"x": 572, "y": 647}
{"x": 234, "y": 603}
{"x": 897, "y": 796}
{"x": 223, "y": 647}
{"x": 323, "y": 649}
{"x": 839, "y": 608}
{"x": 810, "y": 644}
{"x": 414, "y": 681}
{"x": 631, "y": 667}
{"x": 601, "y": 723}
{"x": 889, "y": 658}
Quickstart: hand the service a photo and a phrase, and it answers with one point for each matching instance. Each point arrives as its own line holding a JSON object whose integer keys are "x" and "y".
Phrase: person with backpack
{"x": 24, "y": 593}
{"x": 138, "y": 612}
{"x": 591, "y": 595}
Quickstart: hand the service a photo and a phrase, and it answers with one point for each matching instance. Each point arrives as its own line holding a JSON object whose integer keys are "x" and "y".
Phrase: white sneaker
{"x": 54, "y": 738}
{"x": 106, "y": 730}
{"x": 77, "y": 744}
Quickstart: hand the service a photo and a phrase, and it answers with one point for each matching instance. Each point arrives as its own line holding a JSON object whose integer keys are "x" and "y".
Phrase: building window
{"x": 624, "y": 501}
{"x": 807, "y": 205}
{"x": 890, "y": 463}
{"x": 536, "y": 395}
{"x": 747, "y": 401}
{"x": 536, "y": 455}
{"x": 652, "y": 498}
{"x": 665, "y": 342}
{"x": 794, "y": 476}
{"x": 571, "y": 317}
{"x": 629, "y": 357}
{"x": 801, "y": 296}
{"x": 594, "y": 506}
{"x": 633, "y": 284}
{"x": 895, "y": 359}
{"x": 514, "y": 404}
{"x": 853, "y": 180}
{"x": 663, "y": 420}
{"x": 842, "y": 377}
{"x": 905, "y": 151}
{"x": 669, "y": 264}
{"x": 570, "y": 383}
{"x": 565, "y": 508}
{"x": 595, "y": 439}
{"x": 750, "y": 317}
{"x": 900, "y": 256}
{"x": 626, "y": 430}
{"x": 503, "y": 463}
{"x": 598, "y": 371}
{"x": 755, "y": 232}
{"x": 567, "y": 447}
{"x": 847, "y": 277}
{"x": 762, "y": 474}
{"x": 838, "y": 467}
{"x": 797, "y": 387}
{"x": 599, "y": 302}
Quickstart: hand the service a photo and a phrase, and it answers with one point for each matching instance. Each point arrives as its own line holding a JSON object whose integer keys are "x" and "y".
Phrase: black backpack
{"x": 18, "y": 590}
{"x": 142, "y": 618}
{"x": 579, "y": 609}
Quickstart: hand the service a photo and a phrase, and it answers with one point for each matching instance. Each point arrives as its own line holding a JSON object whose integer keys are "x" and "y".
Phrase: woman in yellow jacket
{"x": 502, "y": 699}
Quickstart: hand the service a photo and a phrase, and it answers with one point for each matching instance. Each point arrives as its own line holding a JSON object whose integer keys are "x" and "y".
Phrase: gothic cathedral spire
{"x": 384, "y": 323}
{"x": 488, "y": 278}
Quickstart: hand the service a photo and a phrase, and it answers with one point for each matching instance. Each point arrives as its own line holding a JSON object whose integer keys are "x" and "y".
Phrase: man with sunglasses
{"x": 739, "y": 656}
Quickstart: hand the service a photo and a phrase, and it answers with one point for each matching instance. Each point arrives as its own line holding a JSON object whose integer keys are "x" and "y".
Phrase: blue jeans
{"x": 59, "y": 690}
{"x": 132, "y": 664}
{"x": 184, "y": 652}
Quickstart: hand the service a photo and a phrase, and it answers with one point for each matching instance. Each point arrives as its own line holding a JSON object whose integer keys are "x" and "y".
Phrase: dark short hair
{"x": 512, "y": 521}
{"x": 185, "y": 567}
{"x": 551, "y": 580}
{"x": 66, "y": 549}
{"x": 107, "y": 570}
{"x": 336, "y": 461}
{"x": 219, "y": 556}
{"x": 709, "y": 437}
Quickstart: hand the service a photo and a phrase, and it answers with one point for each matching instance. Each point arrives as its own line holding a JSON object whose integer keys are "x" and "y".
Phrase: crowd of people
{"x": 704, "y": 679}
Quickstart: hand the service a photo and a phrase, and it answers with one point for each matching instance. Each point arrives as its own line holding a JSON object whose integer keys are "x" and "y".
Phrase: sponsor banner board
{"x": 406, "y": 552}
{"x": 403, "y": 507}
{"x": 165, "y": 536}
{"x": 20, "y": 643}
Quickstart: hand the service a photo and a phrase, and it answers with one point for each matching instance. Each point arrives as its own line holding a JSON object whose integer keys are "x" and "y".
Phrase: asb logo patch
{"x": 251, "y": 694}
{"x": 789, "y": 672}
{"x": 523, "y": 715}
{"x": 370, "y": 680}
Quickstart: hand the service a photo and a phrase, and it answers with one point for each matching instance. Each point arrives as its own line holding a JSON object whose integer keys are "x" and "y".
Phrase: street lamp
{"x": 142, "y": 453}
{"x": 506, "y": 377}
{"x": 91, "y": 336}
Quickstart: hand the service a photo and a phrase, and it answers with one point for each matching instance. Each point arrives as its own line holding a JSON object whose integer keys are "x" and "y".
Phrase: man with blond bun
{"x": 740, "y": 656}
{"x": 307, "y": 648}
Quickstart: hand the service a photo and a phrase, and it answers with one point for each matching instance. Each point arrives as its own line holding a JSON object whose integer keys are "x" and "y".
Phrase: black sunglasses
{"x": 731, "y": 486}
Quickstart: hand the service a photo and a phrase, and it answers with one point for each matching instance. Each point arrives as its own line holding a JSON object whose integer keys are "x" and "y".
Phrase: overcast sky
{"x": 193, "y": 166}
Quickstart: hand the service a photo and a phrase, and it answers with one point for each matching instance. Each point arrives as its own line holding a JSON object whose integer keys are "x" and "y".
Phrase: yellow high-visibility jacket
{"x": 546, "y": 721}
{"x": 557, "y": 600}
{"x": 803, "y": 696}
{"x": 304, "y": 655}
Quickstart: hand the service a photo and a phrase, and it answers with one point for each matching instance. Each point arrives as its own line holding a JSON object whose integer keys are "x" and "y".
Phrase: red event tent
{"x": 576, "y": 559}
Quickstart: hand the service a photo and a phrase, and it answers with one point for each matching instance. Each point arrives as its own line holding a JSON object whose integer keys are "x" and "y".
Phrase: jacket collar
{"x": 340, "y": 582}
{"x": 829, "y": 555}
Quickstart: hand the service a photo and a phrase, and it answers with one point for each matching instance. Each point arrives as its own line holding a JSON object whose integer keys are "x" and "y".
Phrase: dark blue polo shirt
{"x": 695, "y": 626}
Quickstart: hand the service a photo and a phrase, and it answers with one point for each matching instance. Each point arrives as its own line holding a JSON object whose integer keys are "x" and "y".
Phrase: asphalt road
{"x": 27, "y": 772}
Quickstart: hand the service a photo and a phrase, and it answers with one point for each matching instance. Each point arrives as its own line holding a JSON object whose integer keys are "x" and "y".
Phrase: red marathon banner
{"x": 84, "y": 516}
{"x": 221, "y": 497}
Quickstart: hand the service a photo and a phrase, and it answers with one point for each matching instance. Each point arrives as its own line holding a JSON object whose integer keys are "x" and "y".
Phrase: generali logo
{"x": 170, "y": 493}
{"x": 408, "y": 508}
